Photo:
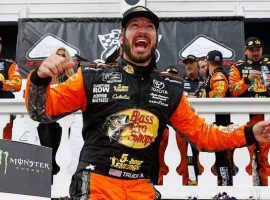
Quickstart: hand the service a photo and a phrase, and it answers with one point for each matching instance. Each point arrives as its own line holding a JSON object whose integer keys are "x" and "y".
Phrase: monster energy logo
{"x": 3, "y": 160}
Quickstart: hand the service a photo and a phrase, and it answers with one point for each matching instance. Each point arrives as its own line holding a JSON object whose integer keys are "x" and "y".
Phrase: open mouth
{"x": 141, "y": 43}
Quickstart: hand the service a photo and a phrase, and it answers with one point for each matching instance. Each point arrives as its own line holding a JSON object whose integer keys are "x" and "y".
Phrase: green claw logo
{"x": 3, "y": 160}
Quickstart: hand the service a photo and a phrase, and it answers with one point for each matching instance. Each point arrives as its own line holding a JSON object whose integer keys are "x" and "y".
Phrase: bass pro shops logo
{"x": 135, "y": 128}
{"x": 110, "y": 43}
{"x": 3, "y": 161}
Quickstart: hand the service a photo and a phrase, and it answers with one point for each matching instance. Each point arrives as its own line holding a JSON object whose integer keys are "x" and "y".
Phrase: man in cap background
{"x": 251, "y": 78}
{"x": 10, "y": 81}
{"x": 192, "y": 79}
{"x": 217, "y": 86}
{"x": 125, "y": 108}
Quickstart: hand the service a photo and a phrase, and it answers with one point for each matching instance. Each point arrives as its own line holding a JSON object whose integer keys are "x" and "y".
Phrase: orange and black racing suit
{"x": 10, "y": 81}
{"x": 125, "y": 110}
{"x": 241, "y": 86}
{"x": 217, "y": 86}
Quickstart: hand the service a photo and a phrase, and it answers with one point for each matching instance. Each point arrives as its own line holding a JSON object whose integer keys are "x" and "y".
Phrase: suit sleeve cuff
{"x": 249, "y": 135}
{"x": 39, "y": 81}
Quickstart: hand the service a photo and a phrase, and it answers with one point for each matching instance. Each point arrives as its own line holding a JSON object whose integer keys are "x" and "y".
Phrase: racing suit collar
{"x": 135, "y": 69}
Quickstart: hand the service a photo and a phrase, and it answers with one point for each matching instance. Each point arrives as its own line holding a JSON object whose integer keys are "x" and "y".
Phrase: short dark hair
{"x": 190, "y": 59}
{"x": 214, "y": 63}
{"x": 202, "y": 58}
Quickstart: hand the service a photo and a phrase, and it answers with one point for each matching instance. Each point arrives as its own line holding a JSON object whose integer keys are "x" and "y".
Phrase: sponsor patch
{"x": 126, "y": 162}
{"x": 132, "y": 175}
{"x": 158, "y": 99}
{"x": 159, "y": 87}
{"x": 114, "y": 77}
{"x": 2, "y": 66}
{"x": 135, "y": 128}
{"x": 129, "y": 69}
{"x": 100, "y": 93}
{"x": 120, "y": 88}
{"x": 91, "y": 69}
{"x": 173, "y": 81}
{"x": 264, "y": 68}
{"x": 121, "y": 96}
{"x": 159, "y": 103}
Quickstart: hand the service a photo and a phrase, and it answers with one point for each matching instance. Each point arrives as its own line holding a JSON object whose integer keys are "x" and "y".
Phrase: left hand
{"x": 261, "y": 131}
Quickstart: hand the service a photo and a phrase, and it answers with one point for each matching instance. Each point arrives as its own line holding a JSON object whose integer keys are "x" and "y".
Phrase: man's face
{"x": 254, "y": 54}
{"x": 203, "y": 68}
{"x": 139, "y": 41}
{"x": 192, "y": 69}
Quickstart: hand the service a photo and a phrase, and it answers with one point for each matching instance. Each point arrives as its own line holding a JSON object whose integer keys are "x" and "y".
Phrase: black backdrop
{"x": 96, "y": 38}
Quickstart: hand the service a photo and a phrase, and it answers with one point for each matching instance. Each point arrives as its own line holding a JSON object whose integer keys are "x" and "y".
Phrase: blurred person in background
{"x": 193, "y": 82}
{"x": 204, "y": 71}
{"x": 251, "y": 78}
{"x": 217, "y": 86}
{"x": 10, "y": 81}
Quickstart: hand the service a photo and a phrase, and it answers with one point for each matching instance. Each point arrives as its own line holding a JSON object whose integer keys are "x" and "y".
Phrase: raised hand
{"x": 54, "y": 65}
{"x": 261, "y": 131}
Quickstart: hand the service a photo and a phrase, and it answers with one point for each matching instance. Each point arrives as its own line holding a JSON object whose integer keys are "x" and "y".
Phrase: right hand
{"x": 254, "y": 74}
{"x": 53, "y": 65}
{"x": 261, "y": 131}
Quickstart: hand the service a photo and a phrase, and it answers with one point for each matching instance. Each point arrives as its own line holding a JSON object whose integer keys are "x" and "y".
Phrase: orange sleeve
{"x": 206, "y": 137}
{"x": 219, "y": 85}
{"x": 237, "y": 83}
{"x": 14, "y": 82}
{"x": 60, "y": 100}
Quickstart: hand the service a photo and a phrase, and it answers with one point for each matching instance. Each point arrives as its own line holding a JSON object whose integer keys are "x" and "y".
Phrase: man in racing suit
{"x": 217, "y": 86}
{"x": 251, "y": 78}
{"x": 125, "y": 108}
{"x": 10, "y": 81}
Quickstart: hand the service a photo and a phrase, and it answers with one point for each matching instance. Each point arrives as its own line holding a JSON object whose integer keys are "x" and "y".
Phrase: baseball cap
{"x": 139, "y": 11}
{"x": 253, "y": 42}
{"x": 171, "y": 70}
{"x": 215, "y": 56}
{"x": 190, "y": 59}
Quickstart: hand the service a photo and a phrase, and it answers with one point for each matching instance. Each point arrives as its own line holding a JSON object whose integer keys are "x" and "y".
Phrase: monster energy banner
{"x": 25, "y": 169}
{"x": 97, "y": 38}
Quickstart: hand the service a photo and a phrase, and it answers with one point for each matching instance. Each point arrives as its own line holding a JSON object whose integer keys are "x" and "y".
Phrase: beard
{"x": 138, "y": 59}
